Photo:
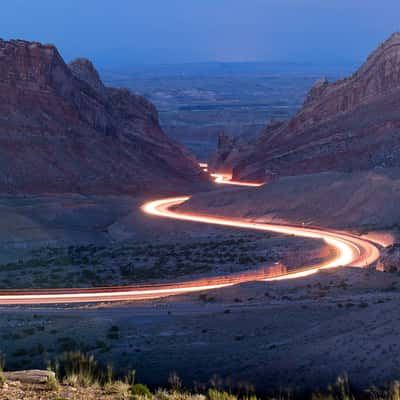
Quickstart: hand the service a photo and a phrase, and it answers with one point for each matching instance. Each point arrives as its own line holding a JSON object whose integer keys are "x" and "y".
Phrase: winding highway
{"x": 349, "y": 250}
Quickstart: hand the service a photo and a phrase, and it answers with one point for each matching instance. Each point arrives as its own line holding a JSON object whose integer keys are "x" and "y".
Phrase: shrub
{"x": 20, "y": 352}
{"x": 175, "y": 382}
{"x": 162, "y": 394}
{"x": 339, "y": 391}
{"x": 140, "y": 390}
{"x": 66, "y": 344}
{"x": 79, "y": 369}
{"x": 389, "y": 393}
{"x": 2, "y": 377}
{"x": 214, "y": 394}
{"x": 113, "y": 333}
{"x": 52, "y": 384}
{"x": 119, "y": 389}
{"x": 394, "y": 390}
{"x": 130, "y": 377}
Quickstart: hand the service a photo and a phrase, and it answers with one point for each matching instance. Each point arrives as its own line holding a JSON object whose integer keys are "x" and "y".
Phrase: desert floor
{"x": 301, "y": 333}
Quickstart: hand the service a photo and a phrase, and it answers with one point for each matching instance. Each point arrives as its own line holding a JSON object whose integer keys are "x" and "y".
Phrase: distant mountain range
{"x": 207, "y": 69}
{"x": 351, "y": 124}
{"x": 63, "y": 130}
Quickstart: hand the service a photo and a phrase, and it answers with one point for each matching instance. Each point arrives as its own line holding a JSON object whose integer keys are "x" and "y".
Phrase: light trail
{"x": 226, "y": 179}
{"x": 349, "y": 250}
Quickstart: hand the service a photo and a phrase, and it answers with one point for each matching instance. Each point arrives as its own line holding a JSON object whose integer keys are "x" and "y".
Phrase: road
{"x": 350, "y": 250}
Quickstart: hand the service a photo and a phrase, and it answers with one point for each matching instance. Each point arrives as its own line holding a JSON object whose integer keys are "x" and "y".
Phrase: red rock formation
{"x": 62, "y": 130}
{"x": 352, "y": 124}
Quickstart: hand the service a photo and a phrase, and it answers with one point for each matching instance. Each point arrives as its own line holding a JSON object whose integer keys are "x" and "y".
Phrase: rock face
{"x": 62, "y": 130}
{"x": 225, "y": 146}
{"x": 34, "y": 376}
{"x": 352, "y": 124}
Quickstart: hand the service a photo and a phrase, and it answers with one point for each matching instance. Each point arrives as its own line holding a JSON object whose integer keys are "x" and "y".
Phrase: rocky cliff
{"x": 62, "y": 130}
{"x": 351, "y": 124}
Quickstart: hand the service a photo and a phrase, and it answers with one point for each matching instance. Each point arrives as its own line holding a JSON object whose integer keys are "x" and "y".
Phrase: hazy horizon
{"x": 125, "y": 33}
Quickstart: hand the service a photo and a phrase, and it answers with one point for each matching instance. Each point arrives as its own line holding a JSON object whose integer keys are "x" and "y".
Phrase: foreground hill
{"x": 364, "y": 199}
{"x": 62, "y": 130}
{"x": 352, "y": 124}
{"x": 298, "y": 334}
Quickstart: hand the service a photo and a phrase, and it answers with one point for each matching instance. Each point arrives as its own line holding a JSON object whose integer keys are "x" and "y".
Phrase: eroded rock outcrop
{"x": 34, "y": 376}
{"x": 352, "y": 124}
{"x": 224, "y": 147}
{"x": 62, "y": 130}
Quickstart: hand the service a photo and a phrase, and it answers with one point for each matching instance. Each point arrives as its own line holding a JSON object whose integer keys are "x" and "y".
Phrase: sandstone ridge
{"x": 63, "y": 130}
{"x": 351, "y": 124}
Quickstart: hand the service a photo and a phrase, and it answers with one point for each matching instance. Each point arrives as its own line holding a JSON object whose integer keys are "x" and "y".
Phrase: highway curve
{"x": 350, "y": 250}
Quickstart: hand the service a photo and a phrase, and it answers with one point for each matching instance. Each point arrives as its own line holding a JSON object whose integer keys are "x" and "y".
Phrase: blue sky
{"x": 115, "y": 33}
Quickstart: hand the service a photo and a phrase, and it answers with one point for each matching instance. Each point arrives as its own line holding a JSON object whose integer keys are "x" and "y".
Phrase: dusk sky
{"x": 126, "y": 32}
